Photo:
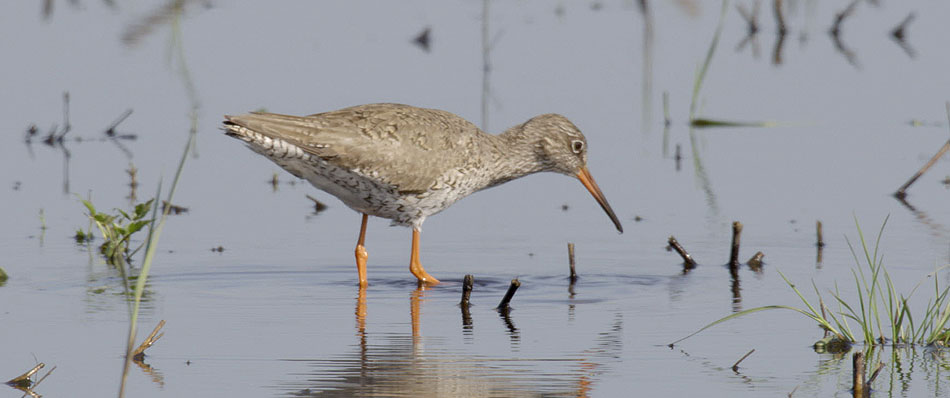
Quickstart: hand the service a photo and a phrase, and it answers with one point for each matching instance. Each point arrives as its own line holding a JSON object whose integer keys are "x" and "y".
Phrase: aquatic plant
{"x": 116, "y": 230}
{"x": 877, "y": 299}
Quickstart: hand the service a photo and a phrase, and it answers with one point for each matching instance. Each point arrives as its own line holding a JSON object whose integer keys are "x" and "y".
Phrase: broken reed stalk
{"x": 901, "y": 192}
{"x": 734, "y": 253}
{"x": 779, "y": 17}
{"x": 839, "y": 17}
{"x": 860, "y": 386}
{"x": 877, "y": 371}
{"x": 23, "y": 380}
{"x": 898, "y": 32}
{"x": 756, "y": 261}
{"x": 570, "y": 260}
{"x": 688, "y": 262}
{"x": 139, "y": 353}
{"x": 735, "y": 366}
{"x": 467, "y": 285}
{"x": 503, "y": 305}
{"x": 821, "y": 239}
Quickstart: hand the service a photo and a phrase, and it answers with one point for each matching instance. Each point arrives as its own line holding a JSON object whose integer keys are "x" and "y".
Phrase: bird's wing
{"x": 402, "y": 146}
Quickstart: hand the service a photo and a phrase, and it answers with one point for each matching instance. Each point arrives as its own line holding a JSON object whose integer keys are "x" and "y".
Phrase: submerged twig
{"x": 23, "y": 380}
{"x": 318, "y": 206}
{"x": 467, "y": 284}
{"x": 503, "y": 305}
{"x": 688, "y": 262}
{"x": 735, "y": 366}
{"x": 858, "y": 385}
{"x": 734, "y": 252}
{"x": 139, "y": 353}
{"x": 756, "y": 261}
{"x": 570, "y": 260}
{"x": 902, "y": 191}
{"x": 898, "y": 32}
{"x": 779, "y": 17}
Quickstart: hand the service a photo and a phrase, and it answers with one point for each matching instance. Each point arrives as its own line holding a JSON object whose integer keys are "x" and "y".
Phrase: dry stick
{"x": 858, "y": 385}
{"x": 779, "y": 18}
{"x": 821, "y": 239}
{"x": 901, "y": 192}
{"x": 688, "y": 261}
{"x": 880, "y": 365}
{"x": 467, "y": 285}
{"x": 735, "y": 366}
{"x": 839, "y": 18}
{"x": 898, "y": 31}
{"x": 570, "y": 260}
{"x": 139, "y": 353}
{"x": 734, "y": 254}
{"x": 503, "y": 305}
{"x": 756, "y": 261}
{"x": 23, "y": 380}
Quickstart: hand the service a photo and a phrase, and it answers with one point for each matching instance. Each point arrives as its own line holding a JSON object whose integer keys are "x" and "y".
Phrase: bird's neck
{"x": 515, "y": 155}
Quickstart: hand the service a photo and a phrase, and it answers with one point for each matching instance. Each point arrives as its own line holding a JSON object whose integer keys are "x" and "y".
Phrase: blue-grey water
{"x": 278, "y": 311}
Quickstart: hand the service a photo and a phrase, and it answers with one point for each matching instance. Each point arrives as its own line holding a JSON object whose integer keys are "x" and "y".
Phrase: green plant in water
{"x": 116, "y": 230}
{"x": 877, "y": 298}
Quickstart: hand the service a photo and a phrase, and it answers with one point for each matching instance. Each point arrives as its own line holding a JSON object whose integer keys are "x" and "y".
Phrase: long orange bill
{"x": 591, "y": 186}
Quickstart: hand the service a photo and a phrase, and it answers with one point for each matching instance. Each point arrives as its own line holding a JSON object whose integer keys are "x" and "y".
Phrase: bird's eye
{"x": 577, "y": 146}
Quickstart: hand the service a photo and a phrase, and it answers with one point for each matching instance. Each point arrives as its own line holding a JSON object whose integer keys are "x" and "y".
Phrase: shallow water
{"x": 278, "y": 312}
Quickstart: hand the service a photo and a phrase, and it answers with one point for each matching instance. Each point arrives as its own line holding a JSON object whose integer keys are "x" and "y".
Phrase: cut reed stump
{"x": 734, "y": 253}
{"x": 818, "y": 231}
{"x": 503, "y": 305}
{"x": 570, "y": 260}
{"x": 756, "y": 261}
{"x": 467, "y": 284}
{"x": 688, "y": 262}
{"x": 860, "y": 387}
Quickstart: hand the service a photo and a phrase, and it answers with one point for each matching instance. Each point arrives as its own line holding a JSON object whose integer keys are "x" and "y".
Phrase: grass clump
{"x": 882, "y": 314}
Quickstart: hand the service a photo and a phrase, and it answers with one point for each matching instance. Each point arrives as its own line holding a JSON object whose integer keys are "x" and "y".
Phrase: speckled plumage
{"x": 406, "y": 163}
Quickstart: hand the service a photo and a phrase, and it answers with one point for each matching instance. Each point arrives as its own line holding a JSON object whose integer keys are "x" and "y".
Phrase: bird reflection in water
{"x": 409, "y": 364}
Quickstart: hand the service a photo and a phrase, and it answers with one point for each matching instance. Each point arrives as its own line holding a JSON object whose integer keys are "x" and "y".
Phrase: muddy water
{"x": 278, "y": 312}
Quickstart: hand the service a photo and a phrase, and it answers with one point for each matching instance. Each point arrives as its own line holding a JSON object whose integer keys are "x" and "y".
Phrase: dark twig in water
{"x": 840, "y": 17}
{"x": 734, "y": 252}
{"x": 169, "y": 208}
{"x": 877, "y": 370}
{"x": 902, "y": 191}
{"x": 899, "y": 31}
{"x": 503, "y": 305}
{"x": 735, "y": 366}
{"x": 23, "y": 380}
{"x": 467, "y": 284}
{"x": 751, "y": 18}
{"x": 422, "y": 40}
{"x": 756, "y": 261}
{"x": 133, "y": 182}
{"x": 111, "y": 130}
{"x": 318, "y": 206}
{"x": 779, "y": 17}
{"x": 860, "y": 386}
{"x": 688, "y": 262}
{"x": 821, "y": 239}
{"x": 139, "y": 353}
{"x": 570, "y": 260}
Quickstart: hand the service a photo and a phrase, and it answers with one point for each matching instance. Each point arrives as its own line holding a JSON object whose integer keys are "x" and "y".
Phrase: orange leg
{"x": 415, "y": 266}
{"x": 361, "y": 254}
